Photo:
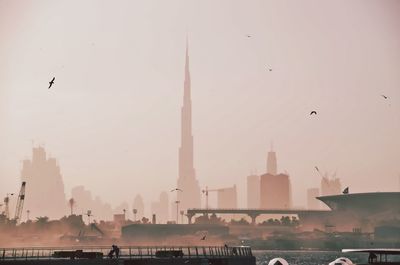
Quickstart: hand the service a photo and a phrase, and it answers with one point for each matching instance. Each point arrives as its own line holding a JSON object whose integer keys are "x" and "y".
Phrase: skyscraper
{"x": 272, "y": 167}
{"x": 187, "y": 182}
{"x": 275, "y": 189}
{"x": 44, "y": 185}
{"x": 253, "y": 191}
{"x": 227, "y": 197}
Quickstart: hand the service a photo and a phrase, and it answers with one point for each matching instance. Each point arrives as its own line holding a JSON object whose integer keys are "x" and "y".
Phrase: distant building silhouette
{"x": 227, "y": 197}
{"x": 161, "y": 208}
{"x": 84, "y": 201}
{"x": 275, "y": 190}
{"x": 253, "y": 191}
{"x": 190, "y": 197}
{"x": 330, "y": 186}
{"x": 138, "y": 204}
{"x": 272, "y": 167}
{"x": 120, "y": 210}
{"x": 44, "y": 185}
{"x": 312, "y": 202}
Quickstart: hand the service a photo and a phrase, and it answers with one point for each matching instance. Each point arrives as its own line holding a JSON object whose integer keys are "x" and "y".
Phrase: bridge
{"x": 252, "y": 213}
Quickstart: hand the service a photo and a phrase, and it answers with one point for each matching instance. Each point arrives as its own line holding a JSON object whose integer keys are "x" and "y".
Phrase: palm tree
{"x": 72, "y": 203}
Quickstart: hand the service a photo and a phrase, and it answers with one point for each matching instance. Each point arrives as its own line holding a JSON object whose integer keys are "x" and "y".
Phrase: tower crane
{"x": 206, "y": 191}
{"x": 20, "y": 203}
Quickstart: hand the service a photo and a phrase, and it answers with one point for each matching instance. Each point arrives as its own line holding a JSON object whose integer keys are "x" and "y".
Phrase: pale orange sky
{"x": 113, "y": 116}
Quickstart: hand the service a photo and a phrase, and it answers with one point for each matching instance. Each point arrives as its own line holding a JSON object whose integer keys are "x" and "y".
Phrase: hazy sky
{"x": 112, "y": 118}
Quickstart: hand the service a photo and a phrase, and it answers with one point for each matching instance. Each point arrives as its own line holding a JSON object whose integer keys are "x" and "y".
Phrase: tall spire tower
{"x": 187, "y": 182}
{"x": 272, "y": 167}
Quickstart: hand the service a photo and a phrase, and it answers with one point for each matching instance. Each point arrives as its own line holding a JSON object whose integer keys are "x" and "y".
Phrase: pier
{"x": 129, "y": 255}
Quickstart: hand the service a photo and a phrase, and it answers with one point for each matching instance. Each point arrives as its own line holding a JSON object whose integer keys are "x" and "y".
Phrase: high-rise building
{"x": 227, "y": 197}
{"x": 253, "y": 191}
{"x": 84, "y": 201}
{"x": 312, "y": 201}
{"x": 272, "y": 167}
{"x": 161, "y": 208}
{"x": 190, "y": 196}
{"x": 330, "y": 186}
{"x": 275, "y": 189}
{"x": 44, "y": 185}
{"x": 138, "y": 206}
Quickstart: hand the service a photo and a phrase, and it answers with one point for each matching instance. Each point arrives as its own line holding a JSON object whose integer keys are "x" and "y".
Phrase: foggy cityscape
{"x": 240, "y": 126}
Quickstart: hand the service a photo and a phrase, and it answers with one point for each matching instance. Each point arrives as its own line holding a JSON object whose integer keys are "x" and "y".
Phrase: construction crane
{"x": 20, "y": 203}
{"x": 206, "y": 191}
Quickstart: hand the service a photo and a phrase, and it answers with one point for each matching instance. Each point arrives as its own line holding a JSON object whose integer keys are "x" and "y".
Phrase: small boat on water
{"x": 377, "y": 256}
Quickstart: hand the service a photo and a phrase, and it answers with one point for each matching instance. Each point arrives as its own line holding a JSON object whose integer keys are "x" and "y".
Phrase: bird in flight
{"x": 248, "y": 36}
{"x": 176, "y": 189}
{"x": 51, "y": 82}
{"x": 316, "y": 168}
{"x": 385, "y": 97}
{"x": 204, "y": 237}
{"x": 270, "y": 69}
{"x": 313, "y": 112}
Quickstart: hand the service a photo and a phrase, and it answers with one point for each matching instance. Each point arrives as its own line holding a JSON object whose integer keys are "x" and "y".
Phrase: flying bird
{"x": 51, "y": 82}
{"x": 248, "y": 36}
{"x": 204, "y": 237}
{"x": 385, "y": 97}
{"x": 313, "y": 112}
{"x": 270, "y": 69}
{"x": 176, "y": 189}
{"x": 317, "y": 168}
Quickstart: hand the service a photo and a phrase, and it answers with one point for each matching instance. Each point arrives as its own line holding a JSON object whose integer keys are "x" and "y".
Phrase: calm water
{"x": 309, "y": 257}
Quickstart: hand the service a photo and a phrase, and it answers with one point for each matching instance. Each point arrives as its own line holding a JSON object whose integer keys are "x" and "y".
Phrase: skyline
{"x": 100, "y": 135}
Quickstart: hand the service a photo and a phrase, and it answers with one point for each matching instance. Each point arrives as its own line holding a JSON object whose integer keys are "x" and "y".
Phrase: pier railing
{"x": 127, "y": 252}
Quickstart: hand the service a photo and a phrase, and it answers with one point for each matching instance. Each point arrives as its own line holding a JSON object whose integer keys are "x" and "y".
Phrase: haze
{"x": 112, "y": 119}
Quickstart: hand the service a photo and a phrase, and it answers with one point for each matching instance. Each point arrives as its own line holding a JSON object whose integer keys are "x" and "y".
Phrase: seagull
{"x": 313, "y": 112}
{"x": 176, "y": 189}
{"x": 270, "y": 69}
{"x": 385, "y": 97}
{"x": 317, "y": 168}
{"x": 51, "y": 82}
{"x": 248, "y": 36}
{"x": 204, "y": 237}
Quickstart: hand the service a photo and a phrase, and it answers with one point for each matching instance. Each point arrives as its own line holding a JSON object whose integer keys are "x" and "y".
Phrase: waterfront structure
{"x": 227, "y": 197}
{"x": 360, "y": 212}
{"x": 253, "y": 191}
{"x": 45, "y": 194}
{"x": 312, "y": 201}
{"x": 190, "y": 196}
{"x": 174, "y": 232}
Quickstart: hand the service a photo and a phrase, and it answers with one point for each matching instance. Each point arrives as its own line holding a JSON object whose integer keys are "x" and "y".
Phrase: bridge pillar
{"x": 253, "y": 217}
{"x": 189, "y": 216}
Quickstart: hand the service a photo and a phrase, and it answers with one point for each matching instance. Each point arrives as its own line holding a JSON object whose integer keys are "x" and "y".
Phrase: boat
{"x": 377, "y": 256}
